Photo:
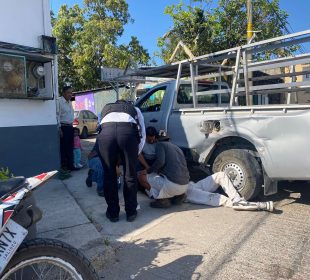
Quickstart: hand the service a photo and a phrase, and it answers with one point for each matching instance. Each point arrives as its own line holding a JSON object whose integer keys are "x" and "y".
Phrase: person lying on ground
{"x": 203, "y": 192}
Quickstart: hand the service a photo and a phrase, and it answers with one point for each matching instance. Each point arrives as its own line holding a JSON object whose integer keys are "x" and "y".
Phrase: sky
{"x": 150, "y": 22}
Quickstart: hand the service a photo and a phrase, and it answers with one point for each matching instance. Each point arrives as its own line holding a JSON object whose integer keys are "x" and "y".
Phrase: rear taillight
{"x": 75, "y": 122}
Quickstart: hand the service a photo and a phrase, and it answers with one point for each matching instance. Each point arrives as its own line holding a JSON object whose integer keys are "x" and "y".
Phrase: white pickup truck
{"x": 256, "y": 145}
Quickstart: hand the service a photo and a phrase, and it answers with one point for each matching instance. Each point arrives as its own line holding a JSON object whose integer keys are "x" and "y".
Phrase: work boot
{"x": 161, "y": 203}
{"x": 253, "y": 206}
{"x": 89, "y": 180}
{"x": 178, "y": 199}
{"x": 267, "y": 206}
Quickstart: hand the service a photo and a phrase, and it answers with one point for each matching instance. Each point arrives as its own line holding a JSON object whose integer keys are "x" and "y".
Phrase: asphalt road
{"x": 198, "y": 242}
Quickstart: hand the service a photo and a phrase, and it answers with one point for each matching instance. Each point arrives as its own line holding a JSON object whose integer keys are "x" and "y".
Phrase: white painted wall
{"x": 23, "y": 22}
{"x": 25, "y": 112}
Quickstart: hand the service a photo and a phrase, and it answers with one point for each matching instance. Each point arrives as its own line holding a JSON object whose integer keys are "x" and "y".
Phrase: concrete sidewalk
{"x": 75, "y": 214}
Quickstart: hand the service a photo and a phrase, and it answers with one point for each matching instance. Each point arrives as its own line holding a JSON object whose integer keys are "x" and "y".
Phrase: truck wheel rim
{"x": 235, "y": 173}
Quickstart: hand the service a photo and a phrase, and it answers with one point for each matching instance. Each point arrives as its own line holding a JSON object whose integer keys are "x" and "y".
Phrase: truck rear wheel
{"x": 243, "y": 170}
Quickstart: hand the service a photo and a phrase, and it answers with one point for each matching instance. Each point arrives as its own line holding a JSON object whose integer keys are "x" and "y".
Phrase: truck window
{"x": 152, "y": 103}
{"x": 185, "y": 95}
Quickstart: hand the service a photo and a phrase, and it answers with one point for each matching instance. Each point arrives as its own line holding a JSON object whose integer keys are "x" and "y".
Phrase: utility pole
{"x": 249, "y": 20}
{"x": 249, "y": 37}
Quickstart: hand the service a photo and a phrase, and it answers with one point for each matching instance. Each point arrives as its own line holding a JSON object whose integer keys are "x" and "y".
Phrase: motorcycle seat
{"x": 8, "y": 185}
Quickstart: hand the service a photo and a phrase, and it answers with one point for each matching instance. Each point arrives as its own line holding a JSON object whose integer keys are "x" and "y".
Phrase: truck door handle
{"x": 153, "y": 120}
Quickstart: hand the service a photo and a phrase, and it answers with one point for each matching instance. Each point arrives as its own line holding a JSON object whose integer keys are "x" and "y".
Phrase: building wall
{"x": 29, "y": 140}
{"x": 104, "y": 97}
{"x": 25, "y": 21}
{"x": 99, "y": 98}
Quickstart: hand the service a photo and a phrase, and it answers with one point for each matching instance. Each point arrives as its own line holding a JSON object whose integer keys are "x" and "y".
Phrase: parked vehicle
{"x": 221, "y": 128}
{"x": 86, "y": 121}
{"x": 37, "y": 258}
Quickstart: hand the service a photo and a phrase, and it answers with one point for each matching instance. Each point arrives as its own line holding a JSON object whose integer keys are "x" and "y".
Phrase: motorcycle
{"x": 37, "y": 258}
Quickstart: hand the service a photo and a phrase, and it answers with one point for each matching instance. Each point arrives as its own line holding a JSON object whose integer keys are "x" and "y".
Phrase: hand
{"x": 92, "y": 154}
{"x": 143, "y": 172}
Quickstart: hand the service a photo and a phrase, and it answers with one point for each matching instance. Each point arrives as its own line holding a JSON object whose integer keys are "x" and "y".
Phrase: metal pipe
{"x": 234, "y": 85}
{"x": 192, "y": 70}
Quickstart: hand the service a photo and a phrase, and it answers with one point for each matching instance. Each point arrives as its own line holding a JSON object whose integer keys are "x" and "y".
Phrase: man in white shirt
{"x": 122, "y": 136}
{"x": 65, "y": 116}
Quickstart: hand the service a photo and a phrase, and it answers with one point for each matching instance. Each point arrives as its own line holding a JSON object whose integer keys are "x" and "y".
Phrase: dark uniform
{"x": 122, "y": 125}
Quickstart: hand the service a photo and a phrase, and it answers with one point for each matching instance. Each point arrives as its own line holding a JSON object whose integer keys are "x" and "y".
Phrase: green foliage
{"x": 5, "y": 174}
{"x": 87, "y": 39}
{"x": 223, "y": 27}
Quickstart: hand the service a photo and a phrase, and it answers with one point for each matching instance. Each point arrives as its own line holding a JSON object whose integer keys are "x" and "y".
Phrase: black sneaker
{"x": 89, "y": 180}
{"x": 178, "y": 199}
{"x": 161, "y": 203}
{"x": 112, "y": 219}
{"x": 132, "y": 217}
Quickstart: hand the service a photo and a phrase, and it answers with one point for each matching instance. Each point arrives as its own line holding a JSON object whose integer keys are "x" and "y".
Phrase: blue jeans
{"x": 95, "y": 165}
{"x": 76, "y": 157}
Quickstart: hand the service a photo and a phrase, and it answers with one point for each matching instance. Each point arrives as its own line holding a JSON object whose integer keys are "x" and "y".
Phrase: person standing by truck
{"x": 122, "y": 135}
{"x": 65, "y": 116}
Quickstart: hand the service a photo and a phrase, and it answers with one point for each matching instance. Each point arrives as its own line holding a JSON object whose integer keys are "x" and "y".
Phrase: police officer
{"x": 122, "y": 136}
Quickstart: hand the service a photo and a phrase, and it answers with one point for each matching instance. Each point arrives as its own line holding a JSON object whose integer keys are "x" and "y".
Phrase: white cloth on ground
{"x": 161, "y": 187}
{"x": 202, "y": 192}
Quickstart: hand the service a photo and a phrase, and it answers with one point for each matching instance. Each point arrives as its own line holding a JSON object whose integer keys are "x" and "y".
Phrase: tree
{"x": 87, "y": 39}
{"x": 223, "y": 27}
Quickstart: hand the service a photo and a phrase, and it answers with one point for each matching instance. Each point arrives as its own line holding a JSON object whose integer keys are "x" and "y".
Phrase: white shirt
{"x": 65, "y": 112}
{"x": 124, "y": 117}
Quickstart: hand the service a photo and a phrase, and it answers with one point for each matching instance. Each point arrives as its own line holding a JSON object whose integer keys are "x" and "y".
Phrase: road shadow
{"x": 151, "y": 259}
{"x": 293, "y": 191}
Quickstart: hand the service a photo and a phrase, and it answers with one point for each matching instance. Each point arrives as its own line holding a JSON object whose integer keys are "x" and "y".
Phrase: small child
{"x": 77, "y": 149}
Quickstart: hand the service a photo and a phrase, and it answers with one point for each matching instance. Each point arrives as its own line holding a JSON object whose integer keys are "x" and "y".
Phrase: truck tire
{"x": 243, "y": 169}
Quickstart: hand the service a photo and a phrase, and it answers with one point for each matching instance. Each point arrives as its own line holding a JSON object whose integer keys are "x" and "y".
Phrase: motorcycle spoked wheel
{"x": 48, "y": 259}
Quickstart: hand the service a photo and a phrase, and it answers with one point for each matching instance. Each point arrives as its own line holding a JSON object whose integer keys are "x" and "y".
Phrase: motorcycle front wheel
{"x": 48, "y": 259}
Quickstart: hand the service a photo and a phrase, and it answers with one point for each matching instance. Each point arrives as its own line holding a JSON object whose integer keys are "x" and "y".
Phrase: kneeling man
{"x": 167, "y": 178}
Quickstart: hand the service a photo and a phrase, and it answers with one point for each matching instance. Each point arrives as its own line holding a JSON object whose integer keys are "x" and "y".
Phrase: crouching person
{"x": 95, "y": 172}
{"x": 167, "y": 178}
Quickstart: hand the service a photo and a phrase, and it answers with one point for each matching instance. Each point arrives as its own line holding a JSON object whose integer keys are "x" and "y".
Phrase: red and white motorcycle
{"x": 37, "y": 258}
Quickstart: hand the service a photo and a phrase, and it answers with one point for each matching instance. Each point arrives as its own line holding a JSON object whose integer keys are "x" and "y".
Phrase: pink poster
{"x": 85, "y": 102}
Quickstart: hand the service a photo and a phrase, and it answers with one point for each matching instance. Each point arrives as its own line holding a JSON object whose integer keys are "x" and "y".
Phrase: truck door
{"x": 152, "y": 107}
